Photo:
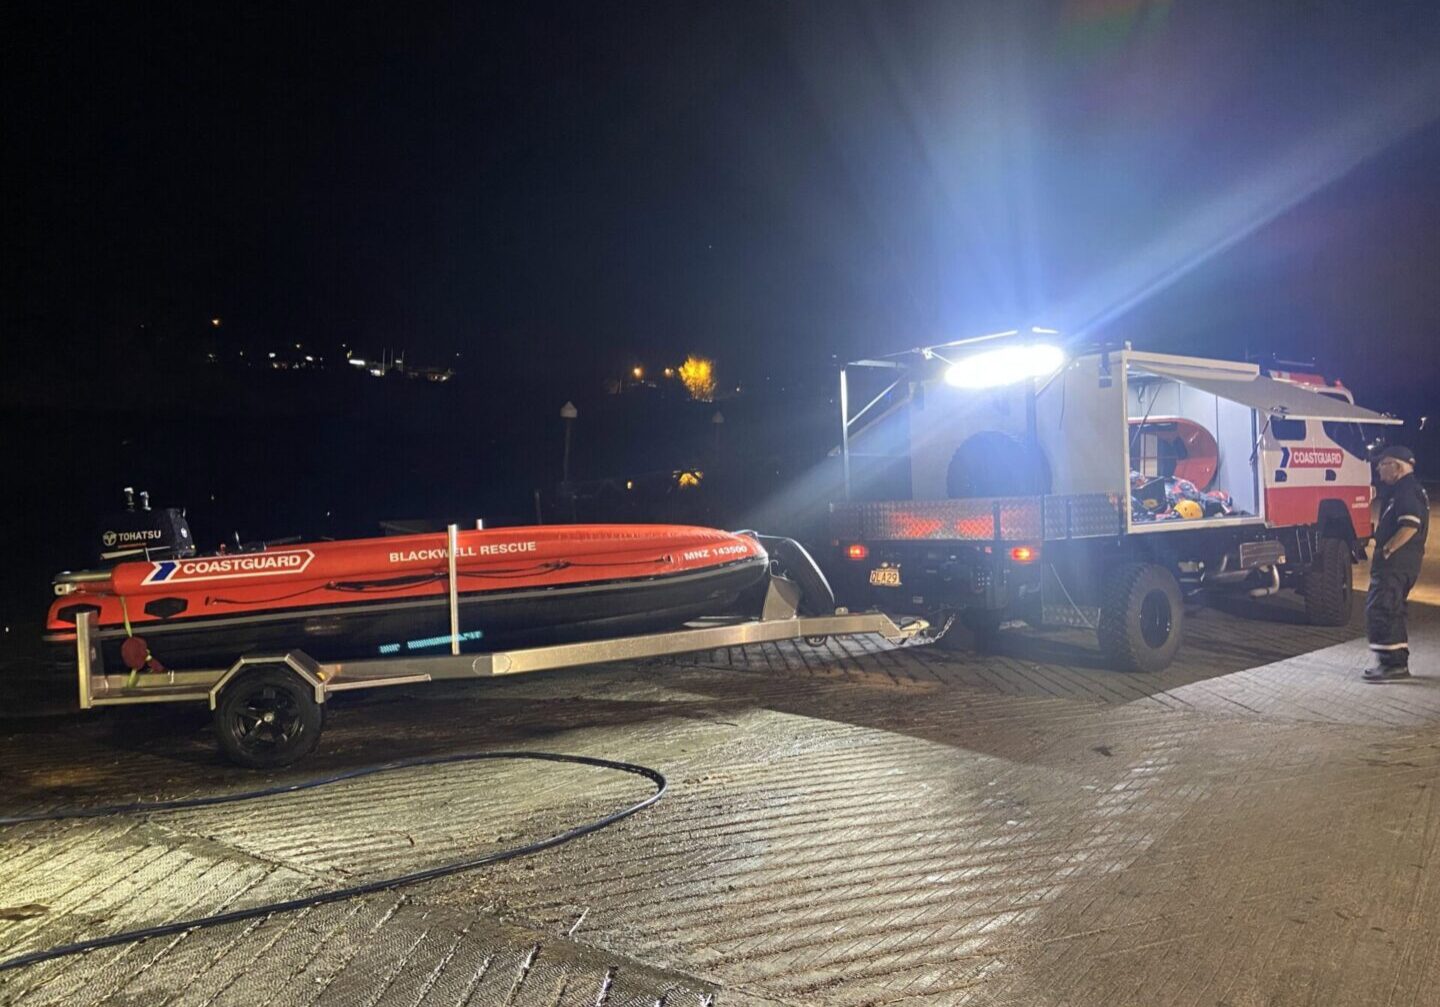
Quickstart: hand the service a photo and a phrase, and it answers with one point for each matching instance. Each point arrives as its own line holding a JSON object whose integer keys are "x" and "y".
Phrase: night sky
{"x": 575, "y": 186}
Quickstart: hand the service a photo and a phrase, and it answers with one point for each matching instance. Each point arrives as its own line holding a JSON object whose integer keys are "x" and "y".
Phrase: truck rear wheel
{"x": 267, "y": 718}
{"x": 1142, "y": 618}
{"x": 1329, "y": 584}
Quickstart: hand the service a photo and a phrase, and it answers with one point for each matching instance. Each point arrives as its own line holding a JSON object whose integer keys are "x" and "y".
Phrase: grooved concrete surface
{"x": 848, "y": 824}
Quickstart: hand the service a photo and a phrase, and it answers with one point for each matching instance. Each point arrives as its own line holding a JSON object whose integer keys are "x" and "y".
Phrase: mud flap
{"x": 790, "y": 559}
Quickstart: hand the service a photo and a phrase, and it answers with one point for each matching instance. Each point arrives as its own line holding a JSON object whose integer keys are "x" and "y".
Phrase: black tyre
{"x": 1142, "y": 618}
{"x": 267, "y": 718}
{"x": 1329, "y": 584}
{"x": 993, "y": 464}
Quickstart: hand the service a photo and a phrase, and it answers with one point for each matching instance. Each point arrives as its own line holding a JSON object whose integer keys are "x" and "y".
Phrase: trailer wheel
{"x": 1142, "y": 618}
{"x": 268, "y": 718}
{"x": 1329, "y": 584}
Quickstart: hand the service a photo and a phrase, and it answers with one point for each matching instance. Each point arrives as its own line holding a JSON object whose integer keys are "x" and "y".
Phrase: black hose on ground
{"x": 339, "y": 894}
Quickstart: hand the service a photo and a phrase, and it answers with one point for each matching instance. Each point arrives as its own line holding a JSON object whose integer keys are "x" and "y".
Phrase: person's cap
{"x": 1400, "y": 454}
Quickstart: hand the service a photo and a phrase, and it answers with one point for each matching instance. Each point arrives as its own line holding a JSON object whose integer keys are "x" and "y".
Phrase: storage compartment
{"x": 1191, "y": 452}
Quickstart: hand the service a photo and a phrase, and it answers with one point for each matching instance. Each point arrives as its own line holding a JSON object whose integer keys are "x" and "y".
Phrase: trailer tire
{"x": 1142, "y": 618}
{"x": 267, "y": 718}
{"x": 1329, "y": 584}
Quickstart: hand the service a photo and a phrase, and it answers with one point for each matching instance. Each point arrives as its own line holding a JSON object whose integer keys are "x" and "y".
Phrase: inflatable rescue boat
{"x": 524, "y": 586}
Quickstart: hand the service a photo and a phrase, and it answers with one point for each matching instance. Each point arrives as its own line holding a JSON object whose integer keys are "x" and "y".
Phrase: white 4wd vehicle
{"x": 1098, "y": 489}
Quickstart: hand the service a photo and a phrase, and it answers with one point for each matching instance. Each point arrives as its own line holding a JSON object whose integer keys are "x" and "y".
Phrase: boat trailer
{"x": 269, "y": 708}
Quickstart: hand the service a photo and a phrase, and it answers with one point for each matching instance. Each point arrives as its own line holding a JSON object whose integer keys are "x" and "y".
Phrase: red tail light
{"x": 1024, "y": 554}
{"x": 857, "y": 551}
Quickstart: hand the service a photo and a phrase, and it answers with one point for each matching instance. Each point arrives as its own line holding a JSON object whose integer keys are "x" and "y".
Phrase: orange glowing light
{"x": 1023, "y": 554}
{"x": 857, "y": 551}
{"x": 698, "y": 375}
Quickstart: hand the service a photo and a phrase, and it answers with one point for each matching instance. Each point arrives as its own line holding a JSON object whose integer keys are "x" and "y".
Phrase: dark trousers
{"x": 1385, "y": 616}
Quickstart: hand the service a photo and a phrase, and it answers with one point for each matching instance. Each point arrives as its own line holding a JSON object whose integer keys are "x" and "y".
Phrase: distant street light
{"x": 639, "y": 373}
{"x": 568, "y": 412}
{"x": 215, "y": 323}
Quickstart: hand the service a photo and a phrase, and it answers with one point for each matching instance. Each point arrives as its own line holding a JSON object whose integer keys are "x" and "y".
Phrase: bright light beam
{"x": 1403, "y": 107}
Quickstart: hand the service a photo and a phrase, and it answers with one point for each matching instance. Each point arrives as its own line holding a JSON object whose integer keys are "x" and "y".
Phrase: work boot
{"x": 1386, "y": 673}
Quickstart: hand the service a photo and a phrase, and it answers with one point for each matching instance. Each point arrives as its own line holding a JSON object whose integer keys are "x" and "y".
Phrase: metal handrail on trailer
{"x": 311, "y": 683}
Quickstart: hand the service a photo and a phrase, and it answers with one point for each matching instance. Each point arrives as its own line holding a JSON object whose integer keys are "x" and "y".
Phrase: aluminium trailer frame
{"x": 97, "y": 687}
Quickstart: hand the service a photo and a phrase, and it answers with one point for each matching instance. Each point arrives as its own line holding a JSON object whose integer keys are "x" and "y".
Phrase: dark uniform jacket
{"x": 1402, "y": 504}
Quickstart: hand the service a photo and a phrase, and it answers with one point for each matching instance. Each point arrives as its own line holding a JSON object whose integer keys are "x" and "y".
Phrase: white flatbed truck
{"x": 1045, "y": 499}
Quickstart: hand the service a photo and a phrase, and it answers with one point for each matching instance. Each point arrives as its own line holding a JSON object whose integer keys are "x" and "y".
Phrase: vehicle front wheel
{"x": 267, "y": 718}
{"x": 1142, "y": 618}
{"x": 1329, "y": 584}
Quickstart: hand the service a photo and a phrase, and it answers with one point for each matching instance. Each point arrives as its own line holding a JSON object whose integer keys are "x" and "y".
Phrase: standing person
{"x": 1399, "y": 547}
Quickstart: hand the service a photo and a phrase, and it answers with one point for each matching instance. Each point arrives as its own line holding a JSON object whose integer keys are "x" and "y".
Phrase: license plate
{"x": 885, "y": 576}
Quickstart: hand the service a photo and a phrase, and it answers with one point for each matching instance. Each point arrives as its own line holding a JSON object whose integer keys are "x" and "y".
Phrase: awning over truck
{"x": 1278, "y": 398}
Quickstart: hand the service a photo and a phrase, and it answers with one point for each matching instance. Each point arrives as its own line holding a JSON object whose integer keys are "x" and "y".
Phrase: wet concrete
{"x": 847, "y": 824}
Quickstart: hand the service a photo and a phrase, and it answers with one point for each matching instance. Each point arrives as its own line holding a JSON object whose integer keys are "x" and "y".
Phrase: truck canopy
{"x": 1103, "y": 445}
{"x": 1265, "y": 395}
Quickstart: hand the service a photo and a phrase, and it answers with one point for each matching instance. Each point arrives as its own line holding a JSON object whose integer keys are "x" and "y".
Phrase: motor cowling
{"x": 139, "y": 532}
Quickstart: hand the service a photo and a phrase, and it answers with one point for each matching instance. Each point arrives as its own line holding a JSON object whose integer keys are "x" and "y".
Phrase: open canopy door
{"x": 1267, "y": 395}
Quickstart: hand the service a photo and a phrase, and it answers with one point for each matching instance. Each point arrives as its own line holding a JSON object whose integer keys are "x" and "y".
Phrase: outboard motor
{"x": 139, "y": 533}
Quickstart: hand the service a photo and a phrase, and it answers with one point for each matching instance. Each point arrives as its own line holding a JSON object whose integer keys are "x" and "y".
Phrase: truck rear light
{"x": 857, "y": 551}
{"x": 1024, "y": 554}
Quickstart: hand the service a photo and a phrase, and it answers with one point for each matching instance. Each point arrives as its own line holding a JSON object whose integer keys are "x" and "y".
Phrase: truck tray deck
{"x": 987, "y": 519}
